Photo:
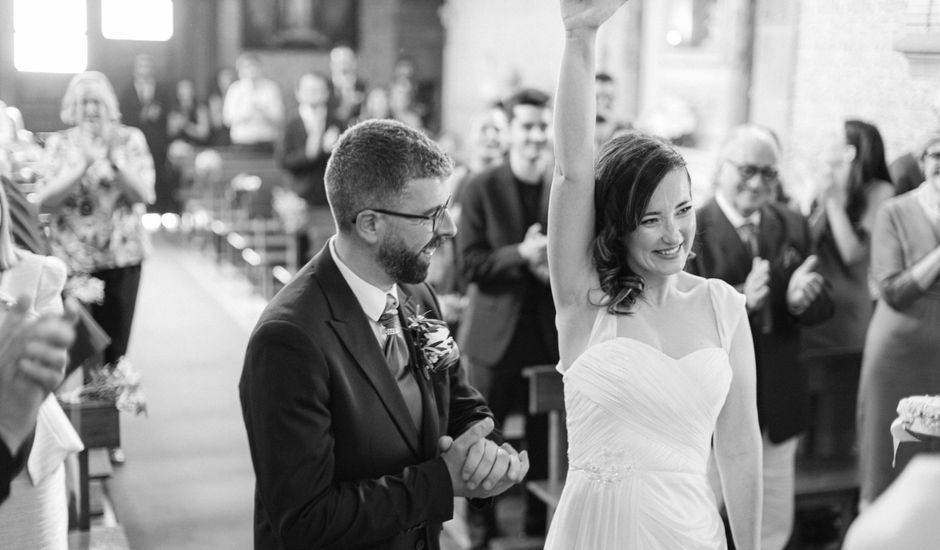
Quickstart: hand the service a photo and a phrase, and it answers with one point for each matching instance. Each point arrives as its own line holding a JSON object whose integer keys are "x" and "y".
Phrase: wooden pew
{"x": 547, "y": 396}
{"x": 826, "y": 484}
{"x": 240, "y": 164}
{"x": 97, "y": 425}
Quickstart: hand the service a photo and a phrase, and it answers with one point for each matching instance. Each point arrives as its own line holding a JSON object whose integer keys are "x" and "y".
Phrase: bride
{"x": 658, "y": 363}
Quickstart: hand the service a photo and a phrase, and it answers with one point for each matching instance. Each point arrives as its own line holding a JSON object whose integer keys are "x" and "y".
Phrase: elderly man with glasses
{"x": 751, "y": 241}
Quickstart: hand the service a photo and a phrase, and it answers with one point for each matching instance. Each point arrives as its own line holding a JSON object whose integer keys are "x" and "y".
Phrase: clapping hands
{"x": 33, "y": 355}
{"x": 757, "y": 284}
{"x": 534, "y": 246}
{"x": 805, "y": 285}
{"x": 479, "y": 468}
{"x": 534, "y": 249}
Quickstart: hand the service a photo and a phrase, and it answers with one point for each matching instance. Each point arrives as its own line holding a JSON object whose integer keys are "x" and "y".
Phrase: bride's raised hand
{"x": 587, "y": 14}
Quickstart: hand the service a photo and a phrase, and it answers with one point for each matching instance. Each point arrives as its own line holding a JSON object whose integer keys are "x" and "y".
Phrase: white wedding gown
{"x": 639, "y": 436}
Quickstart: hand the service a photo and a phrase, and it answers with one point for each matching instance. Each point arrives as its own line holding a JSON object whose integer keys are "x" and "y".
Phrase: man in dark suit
{"x": 360, "y": 435}
{"x": 509, "y": 322}
{"x": 762, "y": 248}
{"x": 304, "y": 151}
{"x": 144, "y": 104}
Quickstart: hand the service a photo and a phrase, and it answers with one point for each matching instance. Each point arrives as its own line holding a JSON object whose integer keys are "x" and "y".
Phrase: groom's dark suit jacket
{"x": 338, "y": 461}
{"x": 783, "y": 239}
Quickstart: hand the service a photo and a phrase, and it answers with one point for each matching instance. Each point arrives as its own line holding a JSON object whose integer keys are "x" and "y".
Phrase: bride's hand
{"x": 587, "y": 14}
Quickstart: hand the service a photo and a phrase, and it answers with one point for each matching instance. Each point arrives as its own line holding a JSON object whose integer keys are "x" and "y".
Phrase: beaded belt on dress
{"x": 612, "y": 473}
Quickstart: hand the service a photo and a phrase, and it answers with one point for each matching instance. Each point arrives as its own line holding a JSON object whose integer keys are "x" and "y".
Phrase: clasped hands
{"x": 33, "y": 355}
{"x": 478, "y": 467}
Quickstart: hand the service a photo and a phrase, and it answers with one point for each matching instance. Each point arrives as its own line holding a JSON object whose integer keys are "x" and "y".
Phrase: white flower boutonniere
{"x": 437, "y": 349}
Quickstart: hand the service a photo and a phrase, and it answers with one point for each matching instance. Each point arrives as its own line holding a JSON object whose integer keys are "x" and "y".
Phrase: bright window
{"x": 137, "y": 19}
{"x": 44, "y": 44}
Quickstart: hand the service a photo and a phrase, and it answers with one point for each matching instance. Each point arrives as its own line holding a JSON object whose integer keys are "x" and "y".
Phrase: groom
{"x": 360, "y": 432}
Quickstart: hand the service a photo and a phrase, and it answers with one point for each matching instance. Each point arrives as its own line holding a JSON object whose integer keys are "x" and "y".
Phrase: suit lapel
{"x": 353, "y": 329}
{"x": 543, "y": 204}
{"x": 730, "y": 245}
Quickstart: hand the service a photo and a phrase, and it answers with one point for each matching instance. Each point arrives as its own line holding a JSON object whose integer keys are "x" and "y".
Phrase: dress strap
{"x": 604, "y": 327}
{"x": 713, "y": 294}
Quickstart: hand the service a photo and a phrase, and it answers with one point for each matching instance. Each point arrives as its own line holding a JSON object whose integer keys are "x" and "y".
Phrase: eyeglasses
{"x": 748, "y": 171}
{"x": 932, "y": 155}
{"x": 436, "y": 217}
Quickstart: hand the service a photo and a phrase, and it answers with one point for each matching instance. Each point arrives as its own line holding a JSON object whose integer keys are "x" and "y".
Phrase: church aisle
{"x": 188, "y": 482}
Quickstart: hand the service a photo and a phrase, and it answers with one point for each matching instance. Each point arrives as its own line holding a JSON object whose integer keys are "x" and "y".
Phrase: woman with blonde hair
{"x": 99, "y": 178}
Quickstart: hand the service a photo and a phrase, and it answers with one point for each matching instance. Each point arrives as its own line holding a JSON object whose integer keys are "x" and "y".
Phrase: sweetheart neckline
{"x": 663, "y": 353}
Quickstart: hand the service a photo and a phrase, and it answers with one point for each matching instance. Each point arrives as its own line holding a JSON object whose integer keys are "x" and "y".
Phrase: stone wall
{"x": 847, "y": 67}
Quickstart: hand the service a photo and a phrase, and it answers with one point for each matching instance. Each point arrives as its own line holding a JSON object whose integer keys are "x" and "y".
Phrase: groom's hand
{"x": 478, "y": 467}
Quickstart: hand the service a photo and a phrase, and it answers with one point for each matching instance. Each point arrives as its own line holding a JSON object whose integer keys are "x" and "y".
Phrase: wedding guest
{"x": 99, "y": 177}
{"x": 376, "y": 105}
{"x": 349, "y": 91}
{"x": 253, "y": 108}
{"x": 486, "y": 148}
{"x": 401, "y": 103}
{"x": 489, "y": 136}
{"x": 509, "y": 322}
{"x": 381, "y": 434}
{"x": 841, "y": 223}
{"x": 658, "y": 364}
{"x": 19, "y": 151}
{"x": 762, "y": 248}
{"x": 422, "y": 92}
{"x": 188, "y": 118}
{"x": 145, "y": 105}
{"x": 303, "y": 152}
{"x": 906, "y": 173}
{"x": 219, "y": 132}
{"x": 187, "y": 128}
{"x": 36, "y": 435}
{"x": 901, "y": 344}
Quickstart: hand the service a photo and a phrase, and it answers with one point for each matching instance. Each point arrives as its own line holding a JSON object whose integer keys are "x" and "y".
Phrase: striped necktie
{"x": 396, "y": 355}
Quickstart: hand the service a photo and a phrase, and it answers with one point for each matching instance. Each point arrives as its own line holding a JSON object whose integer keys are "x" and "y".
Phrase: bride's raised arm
{"x": 571, "y": 208}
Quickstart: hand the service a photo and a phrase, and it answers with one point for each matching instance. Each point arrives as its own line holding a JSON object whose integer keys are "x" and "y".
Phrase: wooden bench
{"x": 547, "y": 396}
{"x": 97, "y": 425}
{"x": 830, "y": 483}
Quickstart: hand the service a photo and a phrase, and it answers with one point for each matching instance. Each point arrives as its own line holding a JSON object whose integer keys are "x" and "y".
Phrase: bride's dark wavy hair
{"x": 626, "y": 173}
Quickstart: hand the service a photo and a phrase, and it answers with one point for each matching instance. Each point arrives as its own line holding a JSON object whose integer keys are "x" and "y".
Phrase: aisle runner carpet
{"x": 187, "y": 483}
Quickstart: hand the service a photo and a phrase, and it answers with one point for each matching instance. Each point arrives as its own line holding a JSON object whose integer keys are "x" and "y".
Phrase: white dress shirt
{"x": 735, "y": 217}
{"x": 370, "y": 297}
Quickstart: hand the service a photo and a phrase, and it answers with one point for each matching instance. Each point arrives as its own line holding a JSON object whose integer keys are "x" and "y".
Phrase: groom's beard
{"x": 403, "y": 265}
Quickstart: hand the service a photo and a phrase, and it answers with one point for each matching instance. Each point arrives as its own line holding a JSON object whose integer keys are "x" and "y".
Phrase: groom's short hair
{"x": 371, "y": 164}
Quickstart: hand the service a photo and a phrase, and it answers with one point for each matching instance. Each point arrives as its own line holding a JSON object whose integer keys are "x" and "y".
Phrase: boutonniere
{"x": 437, "y": 350}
